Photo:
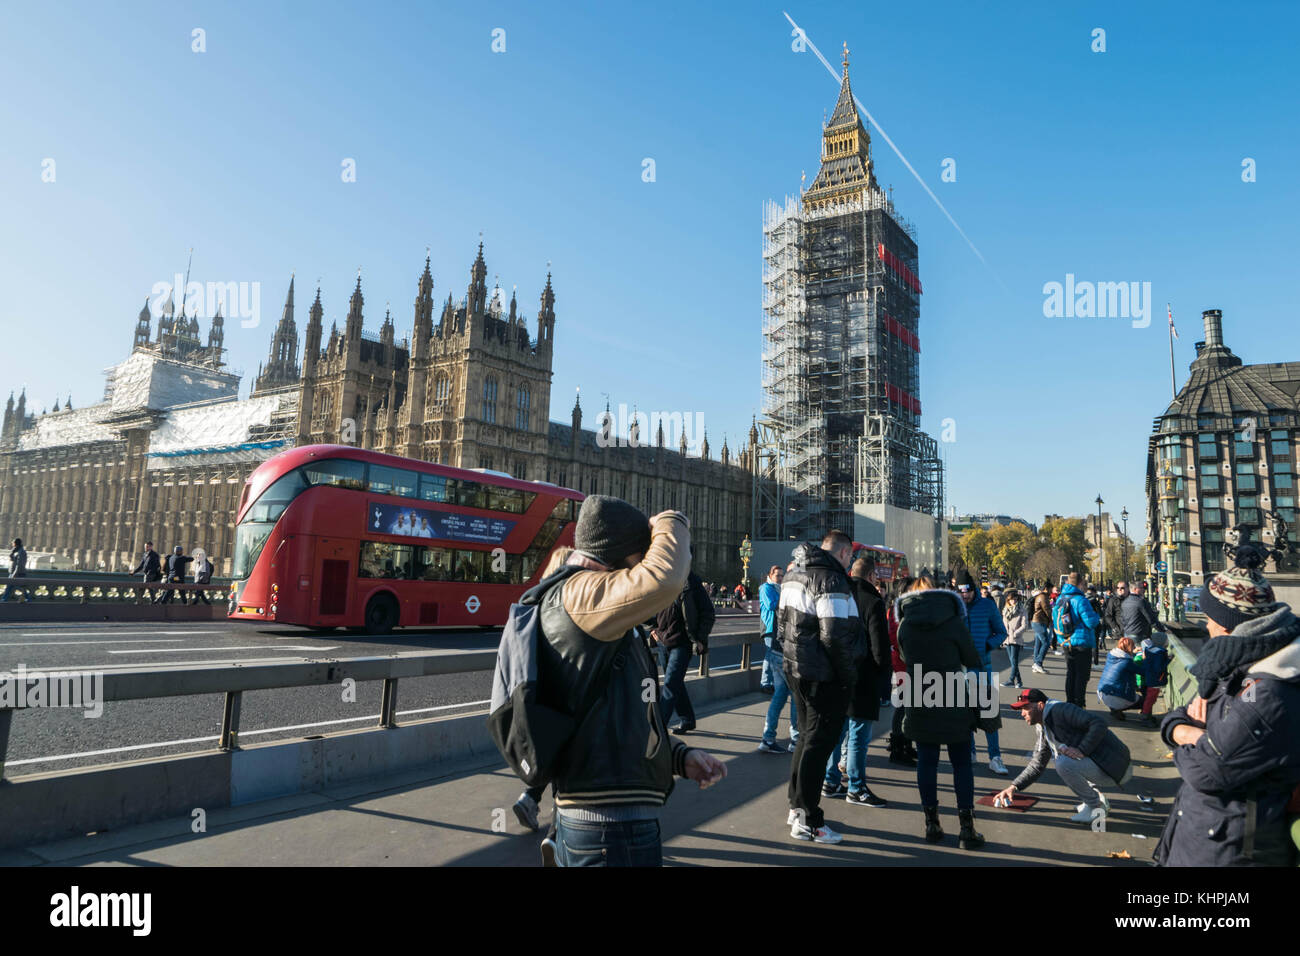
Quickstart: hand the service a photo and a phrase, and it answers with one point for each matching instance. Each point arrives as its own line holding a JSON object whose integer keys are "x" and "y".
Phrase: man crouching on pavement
{"x": 1087, "y": 753}
{"x": 619, "y": 766}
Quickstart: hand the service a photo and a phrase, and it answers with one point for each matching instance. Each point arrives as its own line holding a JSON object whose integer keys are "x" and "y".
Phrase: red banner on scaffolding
{"x": 903, "y": 272}
{"x": 900, "y": 331}
{"x": 900, "y": 397}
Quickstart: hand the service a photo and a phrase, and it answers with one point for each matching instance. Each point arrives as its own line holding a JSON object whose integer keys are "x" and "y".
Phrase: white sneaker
{"x": 1086, "y": 814}
{"x": 526, "y": 811}
{"x": 793, "y": 818}
{"x": 1038, "y": 669}
{"x": 823, "y": 834}
{"x": 998, "y": 767}
{"x": 1058, "y": 652}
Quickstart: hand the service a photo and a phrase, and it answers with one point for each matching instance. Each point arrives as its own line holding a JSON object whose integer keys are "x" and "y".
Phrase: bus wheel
{"x": 381, "y": 614}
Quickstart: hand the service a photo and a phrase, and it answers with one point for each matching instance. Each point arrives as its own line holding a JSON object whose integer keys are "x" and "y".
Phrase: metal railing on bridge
{"x": 93, "y": 586}
{"x": 185, "y": 680}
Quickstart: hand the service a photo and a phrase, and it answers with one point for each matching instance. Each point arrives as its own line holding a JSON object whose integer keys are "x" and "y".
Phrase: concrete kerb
{"x": 40, "y": 808}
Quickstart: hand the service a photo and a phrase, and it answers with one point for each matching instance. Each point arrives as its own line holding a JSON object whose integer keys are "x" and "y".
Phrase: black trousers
{"x": 820, "y": 707}
{"x": 1078, "y": 667}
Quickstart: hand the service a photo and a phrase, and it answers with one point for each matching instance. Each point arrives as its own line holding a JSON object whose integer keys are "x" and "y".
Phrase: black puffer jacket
{"x": 933, "y": 638}
{"x": 821, "y": 634}
{"x": 876, "y": 664}
{"x": 688, "y": 620}
{"x": 1238, "y": 777}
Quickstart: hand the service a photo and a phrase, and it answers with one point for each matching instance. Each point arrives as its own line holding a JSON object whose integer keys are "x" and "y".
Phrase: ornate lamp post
{"x": 746, "y": 553}
{"x": 1101, "y": 552}
{"x": 1124, "y": 544}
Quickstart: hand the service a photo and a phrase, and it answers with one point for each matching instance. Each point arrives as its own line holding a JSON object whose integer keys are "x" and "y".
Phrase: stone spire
{"x": 546, "y": 313}
{"x": 476, "y": 297}
{"x": 352, "y": 329}
{"x": 281, "y": 367}
{"x": 142, "y": 326}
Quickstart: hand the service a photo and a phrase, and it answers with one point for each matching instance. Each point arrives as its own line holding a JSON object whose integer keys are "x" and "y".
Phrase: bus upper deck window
{"x": 437, "y": 488}
{"x": 271, "y": 503}
{"x": 393, "y": 481}
{"x": 339, "y": 472}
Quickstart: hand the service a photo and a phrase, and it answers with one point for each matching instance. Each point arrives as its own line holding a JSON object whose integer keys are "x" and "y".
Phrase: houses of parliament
{"x": 164, "y": 455}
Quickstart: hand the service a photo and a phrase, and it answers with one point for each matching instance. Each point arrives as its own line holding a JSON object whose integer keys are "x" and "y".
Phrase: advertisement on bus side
{"x": 411, "y": 522}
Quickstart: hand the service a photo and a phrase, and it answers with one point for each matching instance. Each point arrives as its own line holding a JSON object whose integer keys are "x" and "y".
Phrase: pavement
{"x": 464, "y": 818}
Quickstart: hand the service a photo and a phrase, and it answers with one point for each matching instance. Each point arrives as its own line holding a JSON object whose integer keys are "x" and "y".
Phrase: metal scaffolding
{"x": 841, "y": 358}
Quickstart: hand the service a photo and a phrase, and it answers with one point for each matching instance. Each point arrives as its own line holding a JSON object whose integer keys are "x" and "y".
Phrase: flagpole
{"x": 1173, "y": 380}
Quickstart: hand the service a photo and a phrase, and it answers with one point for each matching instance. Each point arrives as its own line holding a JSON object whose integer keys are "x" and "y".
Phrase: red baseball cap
{"x": 1029, "y": 695}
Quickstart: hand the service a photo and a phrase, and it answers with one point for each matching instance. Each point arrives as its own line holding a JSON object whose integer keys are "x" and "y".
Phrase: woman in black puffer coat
{"x": 933, "y": 638}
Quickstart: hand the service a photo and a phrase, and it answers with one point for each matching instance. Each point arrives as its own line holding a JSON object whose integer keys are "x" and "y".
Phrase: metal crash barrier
{"x": 184, "y": 680}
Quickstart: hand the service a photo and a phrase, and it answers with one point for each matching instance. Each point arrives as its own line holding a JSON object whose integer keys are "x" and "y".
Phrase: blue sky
{"x": 1117, "y": 166}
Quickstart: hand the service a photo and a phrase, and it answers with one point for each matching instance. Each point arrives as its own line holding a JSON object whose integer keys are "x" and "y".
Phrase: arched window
{"x": 490, "y": 400}
{"x": 442, "y": 390}
{"x": 521, "y": 413}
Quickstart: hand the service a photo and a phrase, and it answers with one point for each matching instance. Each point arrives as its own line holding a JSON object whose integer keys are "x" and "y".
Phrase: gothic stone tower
{"x": 480, "y": 385}
{"x": 472, "y": 390}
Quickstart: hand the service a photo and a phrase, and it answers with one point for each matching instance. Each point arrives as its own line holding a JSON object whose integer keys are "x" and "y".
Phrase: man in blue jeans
{"x": 1041, "y": 622}
{"x": 769, "y": 597}
{"x": 683, "y": 629}
{"x": 988, "y": 631}
{"x": 772, "y": 664}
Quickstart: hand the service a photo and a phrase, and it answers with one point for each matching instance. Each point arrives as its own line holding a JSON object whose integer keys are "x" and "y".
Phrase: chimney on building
{"x": 1213, "y": 327}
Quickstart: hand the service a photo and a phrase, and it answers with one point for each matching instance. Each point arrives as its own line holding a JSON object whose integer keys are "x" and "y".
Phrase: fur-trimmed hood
{"x": 931, "y": 605}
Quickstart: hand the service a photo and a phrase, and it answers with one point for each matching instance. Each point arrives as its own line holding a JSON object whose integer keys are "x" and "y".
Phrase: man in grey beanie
{"x": 619, "y": 765}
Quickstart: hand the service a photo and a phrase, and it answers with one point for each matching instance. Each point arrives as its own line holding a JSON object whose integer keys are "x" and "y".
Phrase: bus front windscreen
{"x": 252, "y": 532}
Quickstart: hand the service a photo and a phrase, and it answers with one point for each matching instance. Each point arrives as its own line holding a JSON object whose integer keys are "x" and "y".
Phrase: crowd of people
{"x": 842, "y": 646}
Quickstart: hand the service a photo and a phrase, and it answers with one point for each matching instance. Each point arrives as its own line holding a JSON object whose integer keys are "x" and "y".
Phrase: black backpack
{"x": 532, "y": 736}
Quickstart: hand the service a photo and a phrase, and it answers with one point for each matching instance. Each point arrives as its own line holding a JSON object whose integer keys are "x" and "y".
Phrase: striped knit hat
{"x": 1241, "y": 592}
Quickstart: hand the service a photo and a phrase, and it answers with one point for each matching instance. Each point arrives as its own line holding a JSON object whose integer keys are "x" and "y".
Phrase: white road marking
{"x": 245, "y": 733}
{"x": 138, "y": 640}
{"x": 117, "y": 633}
{"x": 251, "y": 647}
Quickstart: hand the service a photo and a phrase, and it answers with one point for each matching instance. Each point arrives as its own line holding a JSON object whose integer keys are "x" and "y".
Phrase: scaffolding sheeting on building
{"x": 224, "y": 432}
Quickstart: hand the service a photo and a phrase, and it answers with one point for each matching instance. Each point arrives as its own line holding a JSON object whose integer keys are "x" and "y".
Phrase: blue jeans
{"x": 991, "y": 736}
{"x": 963, "y": 774}
{"x": 765, "y": 679}
{"x": 1013, "y": 654}
{"x": 1042, "y": 640}
{"x": 674, "y": 693}
{"x": 780, "y": 693}
{"x": 636, "y": 843}
{"x": 858, "y": 735}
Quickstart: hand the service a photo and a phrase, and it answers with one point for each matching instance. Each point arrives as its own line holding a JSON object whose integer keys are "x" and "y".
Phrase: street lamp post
{"x": 1124, "y": 544}
{"x": 1101, "y": 552}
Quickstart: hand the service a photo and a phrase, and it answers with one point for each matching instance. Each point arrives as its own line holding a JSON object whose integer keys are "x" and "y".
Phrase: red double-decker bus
{"x": 891, "y": 565}
{"x": 334, "y": 536}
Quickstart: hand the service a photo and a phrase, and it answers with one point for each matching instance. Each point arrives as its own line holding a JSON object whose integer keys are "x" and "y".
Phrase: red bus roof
{"x": 878, "y": 547}
{"x": 265, "y": 474}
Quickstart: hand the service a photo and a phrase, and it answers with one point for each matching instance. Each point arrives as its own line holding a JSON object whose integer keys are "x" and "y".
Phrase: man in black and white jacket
{"x": 1087, "y": 752}
{"x": 822, "y": 640}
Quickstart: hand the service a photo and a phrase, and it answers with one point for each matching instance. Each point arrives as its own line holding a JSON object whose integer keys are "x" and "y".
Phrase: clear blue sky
{"x": 1115, "y": 166}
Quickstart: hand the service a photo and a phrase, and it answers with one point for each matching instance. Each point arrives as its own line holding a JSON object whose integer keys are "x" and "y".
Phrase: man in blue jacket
{"x": 769, "y": 596}
{"x": 1080, "y": 642}
{"x": 988, "y": 631}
